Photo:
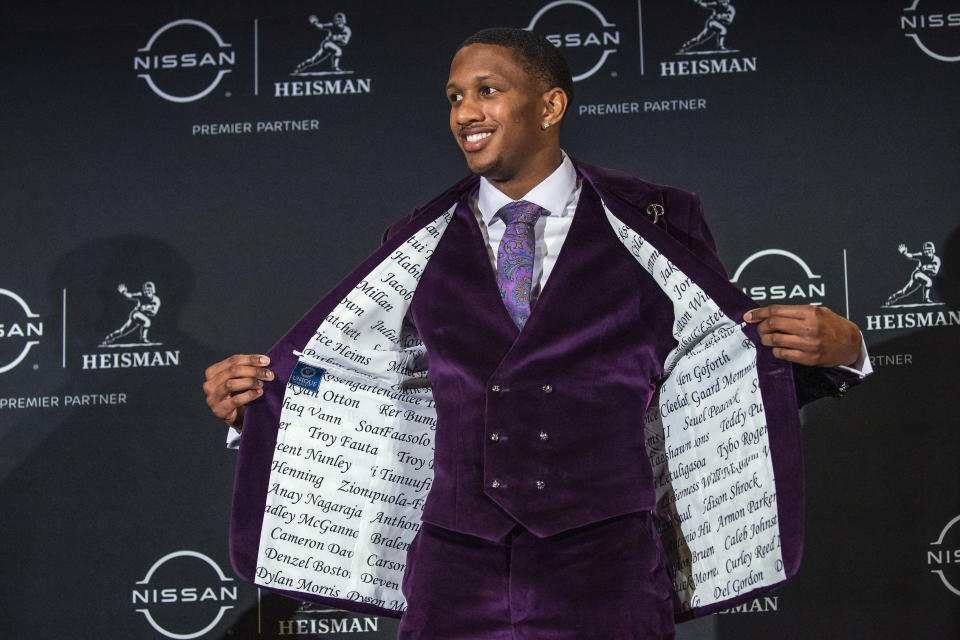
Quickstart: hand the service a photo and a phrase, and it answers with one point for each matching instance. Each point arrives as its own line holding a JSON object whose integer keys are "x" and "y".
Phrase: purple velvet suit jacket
{"x": 634, "y": 386}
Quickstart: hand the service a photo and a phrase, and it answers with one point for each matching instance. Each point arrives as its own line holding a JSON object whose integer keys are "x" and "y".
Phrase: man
{"x": 545, "y": 325}
{"x": 147, "y": 305}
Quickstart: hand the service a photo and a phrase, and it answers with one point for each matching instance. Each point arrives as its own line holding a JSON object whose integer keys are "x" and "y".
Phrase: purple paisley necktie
{"x": 515, "y": 258}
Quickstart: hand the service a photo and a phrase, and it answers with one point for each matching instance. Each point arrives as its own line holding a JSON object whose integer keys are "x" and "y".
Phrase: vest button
{"x": 541, "y": 484}
{"x": 544, "y": 435}
{"x": 547, "y": 388}
{"x": 495, "y": 484}
{"x": 494, "y": 436}
{"x": 495, "y": 388}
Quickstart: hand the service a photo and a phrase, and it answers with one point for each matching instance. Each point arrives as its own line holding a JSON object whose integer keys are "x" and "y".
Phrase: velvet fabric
{"x": 605, "y": 581}
{"x": 581, "y": 372}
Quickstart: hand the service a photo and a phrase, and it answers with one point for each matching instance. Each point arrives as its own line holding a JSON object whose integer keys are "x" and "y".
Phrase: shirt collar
{"x": 552, "y": 195}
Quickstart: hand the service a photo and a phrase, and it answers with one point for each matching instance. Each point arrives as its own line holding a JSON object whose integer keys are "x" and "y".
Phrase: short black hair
{"x": 537, "y": 55}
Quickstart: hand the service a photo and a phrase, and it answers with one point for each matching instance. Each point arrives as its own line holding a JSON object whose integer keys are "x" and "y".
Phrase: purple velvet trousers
{"x": 604, "y": 581}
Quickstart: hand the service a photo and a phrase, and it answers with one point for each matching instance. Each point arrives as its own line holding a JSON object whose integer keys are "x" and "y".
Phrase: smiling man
{"x": 500, "y": 109}
{"x": 585, "y": 356}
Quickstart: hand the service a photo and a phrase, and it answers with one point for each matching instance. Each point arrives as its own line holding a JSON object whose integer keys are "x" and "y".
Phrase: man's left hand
{"x": 813, "y": 336}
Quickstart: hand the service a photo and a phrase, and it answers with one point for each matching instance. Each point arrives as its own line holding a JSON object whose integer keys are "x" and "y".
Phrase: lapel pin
{"x": 655, "y": 211}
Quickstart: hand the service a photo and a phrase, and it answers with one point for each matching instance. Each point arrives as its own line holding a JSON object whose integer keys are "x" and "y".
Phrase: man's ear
{"x": 554, "y": 107}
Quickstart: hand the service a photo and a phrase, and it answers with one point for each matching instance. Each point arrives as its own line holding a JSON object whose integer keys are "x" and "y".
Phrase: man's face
{"x": 148, "y": 288}
{"x": 496, "y": 110}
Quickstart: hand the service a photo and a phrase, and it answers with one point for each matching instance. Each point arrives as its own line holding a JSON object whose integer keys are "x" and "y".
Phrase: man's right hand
{"x": 232, "y": 383}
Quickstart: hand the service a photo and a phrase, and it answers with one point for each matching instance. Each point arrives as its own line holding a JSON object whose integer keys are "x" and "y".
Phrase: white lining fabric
{"x": 354, "y": 457}
{"x": 707, "y": 441}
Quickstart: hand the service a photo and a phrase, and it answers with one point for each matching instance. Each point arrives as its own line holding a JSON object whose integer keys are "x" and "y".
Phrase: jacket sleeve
{"x": 813, "y": 383}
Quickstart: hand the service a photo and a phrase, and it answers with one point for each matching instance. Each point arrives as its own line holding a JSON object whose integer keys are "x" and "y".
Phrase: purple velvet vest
{"x": 543, "y": 427}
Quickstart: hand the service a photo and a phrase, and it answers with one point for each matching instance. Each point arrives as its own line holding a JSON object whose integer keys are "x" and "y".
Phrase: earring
{"x": 544, "y": 125}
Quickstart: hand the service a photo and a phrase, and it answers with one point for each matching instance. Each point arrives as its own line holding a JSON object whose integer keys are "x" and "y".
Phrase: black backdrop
{"x": 827, "y": 131}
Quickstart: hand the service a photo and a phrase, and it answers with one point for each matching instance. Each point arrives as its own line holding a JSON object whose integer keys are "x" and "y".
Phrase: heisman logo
{"x": 943, "y": 556}
{"x": 180, "y": 598}
{"x": 933, "y": 31}
{"x": 912, "y": 304}
{"x": 312, "y": 618}
{"x": 134, "y": 333}
{"x": 146, "y": 304}
{"x": 336, "y": 35}
{"x": 709, "y": 46}
{"x": 20, "y": 330}
{"x": 177, "y": 55}
{"x": 714, "y": 29}
{"x": 921, "y": 278}
{"x": 325, "y": 63}
{"x": 587, "y": 50}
